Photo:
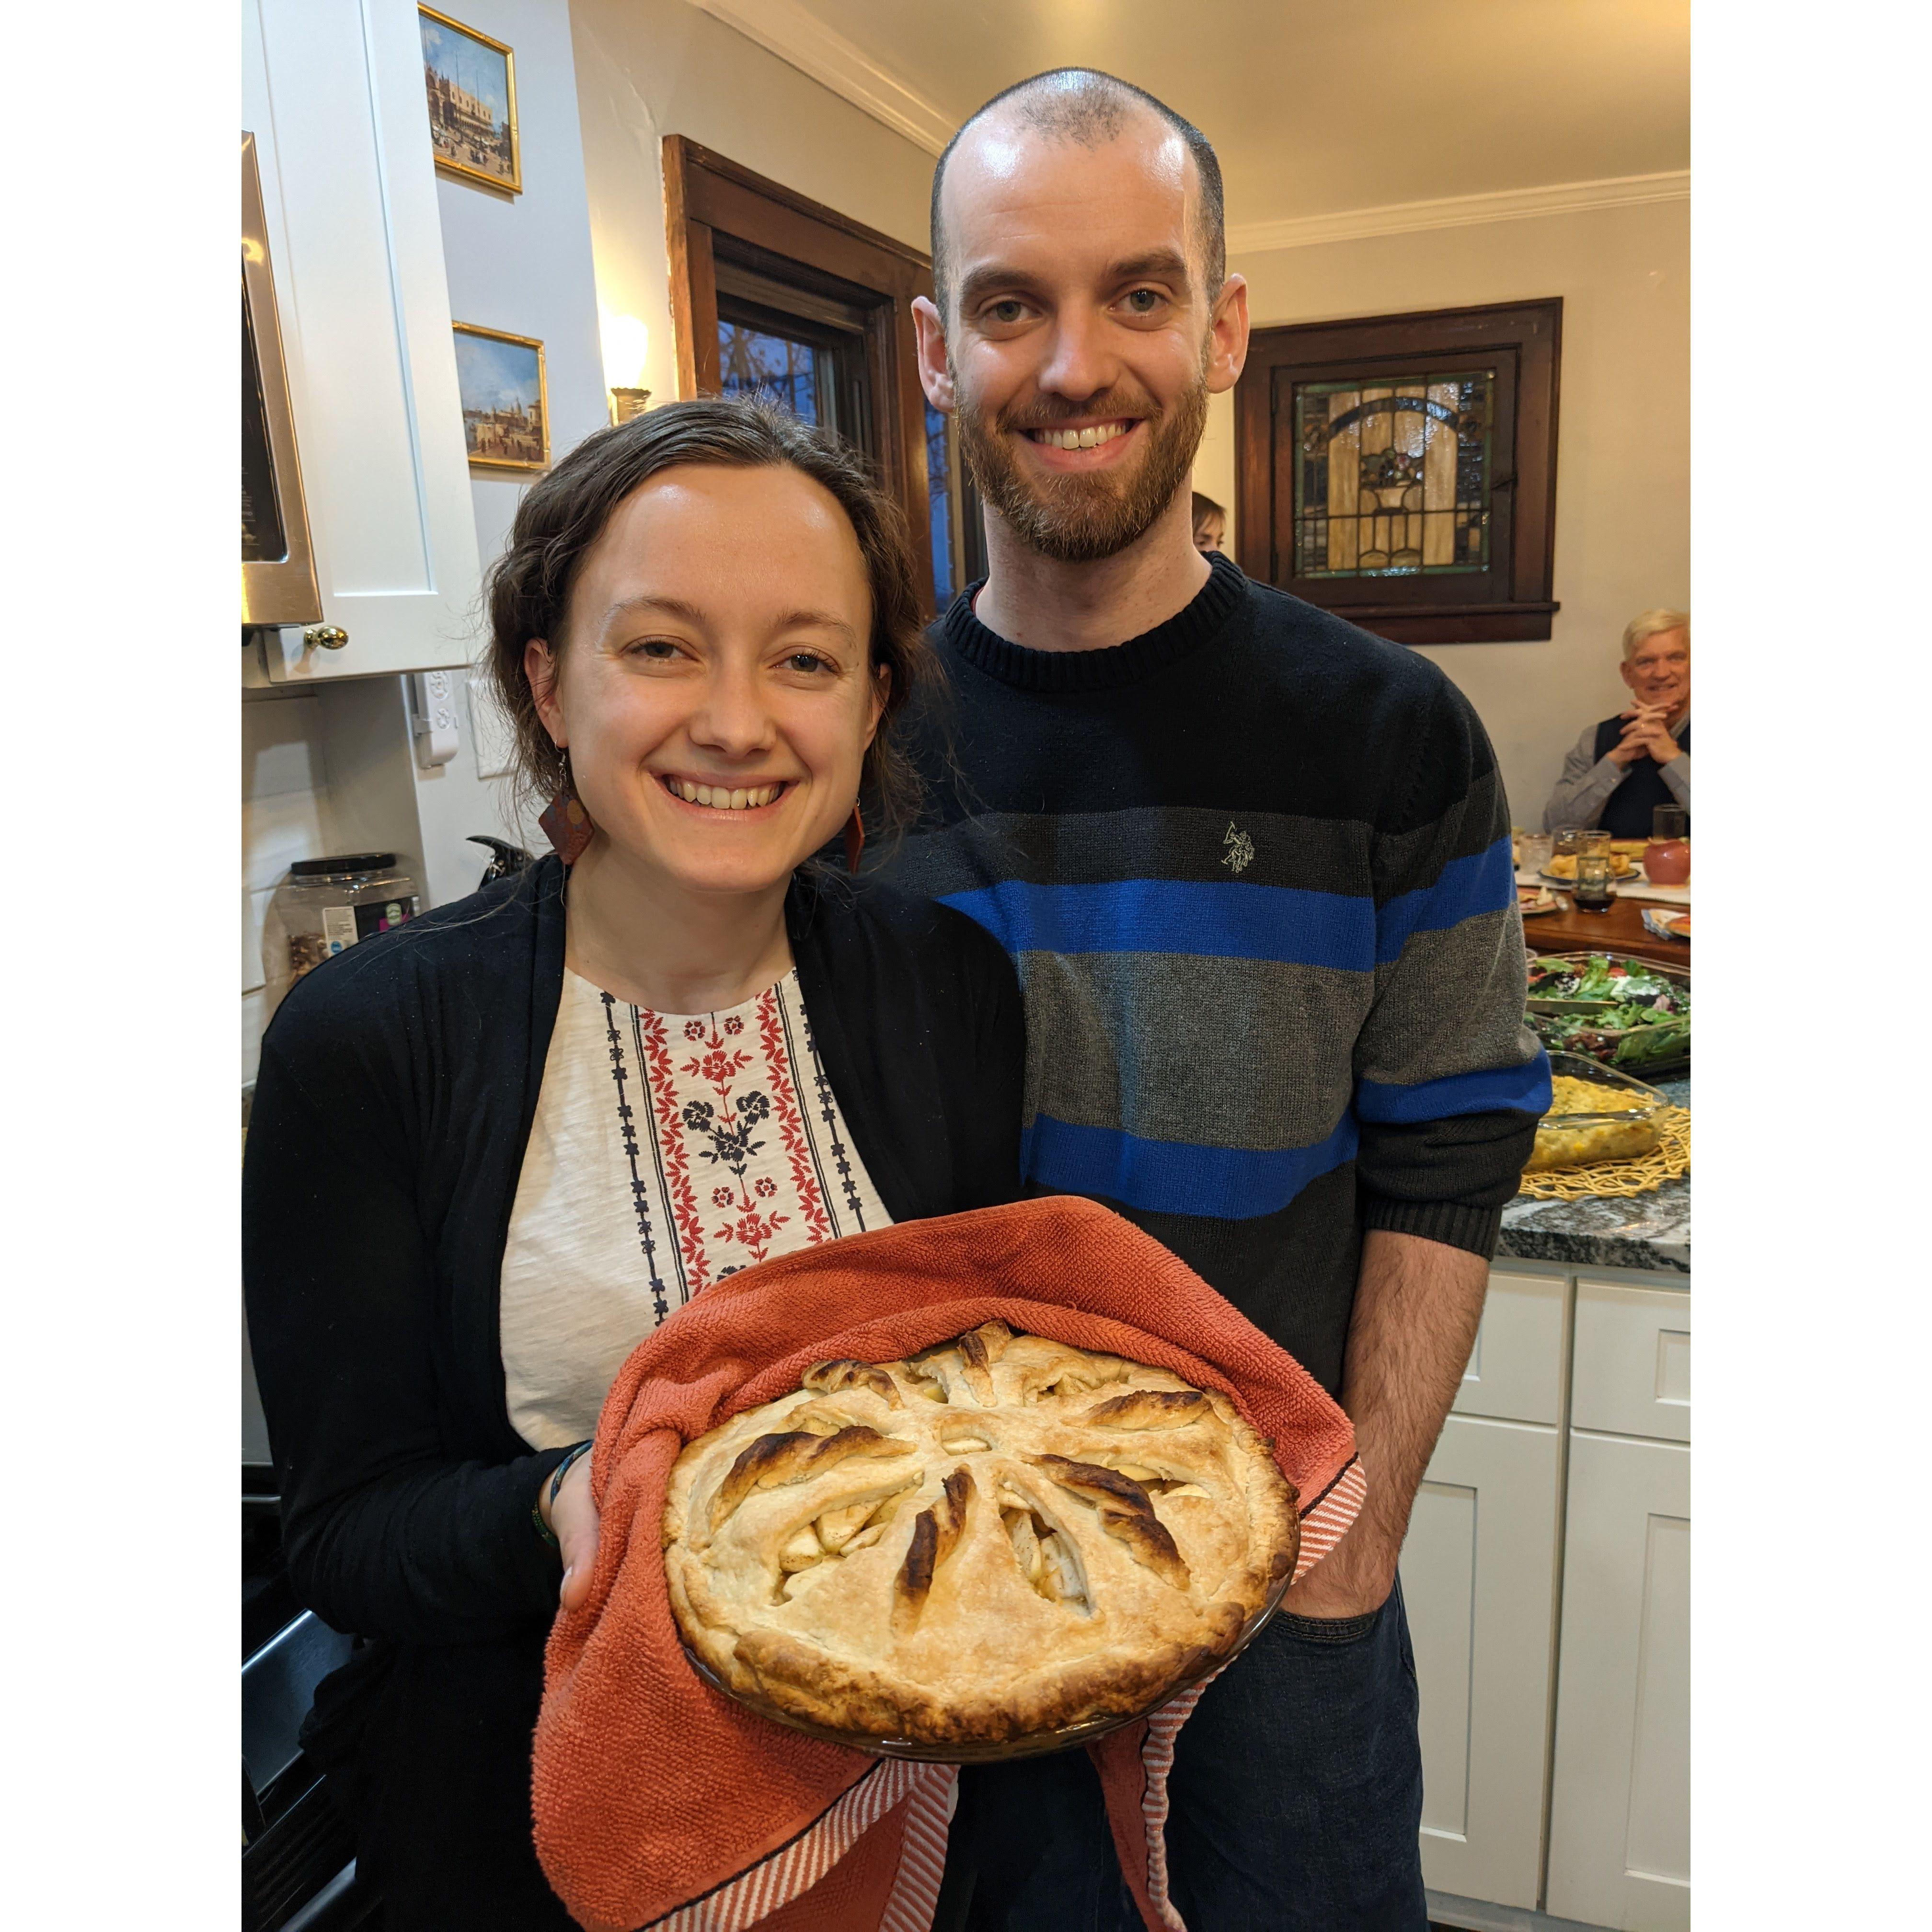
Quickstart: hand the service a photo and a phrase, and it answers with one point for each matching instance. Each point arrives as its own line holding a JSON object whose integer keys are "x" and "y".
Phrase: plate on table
{"x": 1531, "y": 900}
{"x": 1629, "y": 870}
{"x": 1663, "y": 923}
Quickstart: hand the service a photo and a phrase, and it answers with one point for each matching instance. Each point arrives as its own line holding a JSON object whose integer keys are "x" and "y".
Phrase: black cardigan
{"x": 398, "y": 1086}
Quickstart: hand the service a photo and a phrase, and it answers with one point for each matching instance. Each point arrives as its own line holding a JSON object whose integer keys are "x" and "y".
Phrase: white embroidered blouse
{"x": 669, "y": 1150}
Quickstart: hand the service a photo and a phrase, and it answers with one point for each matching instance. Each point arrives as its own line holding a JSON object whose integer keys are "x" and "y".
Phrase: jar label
{"x": 376, "y": 916}
{"x": 338, "y": 928}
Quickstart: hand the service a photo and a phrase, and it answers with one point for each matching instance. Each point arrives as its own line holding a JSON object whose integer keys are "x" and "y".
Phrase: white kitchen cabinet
{"x": 1479, "y": 1579}
{"x": 1516, "y": 1368}
{"x": 1620, "y": 1809}
{"x": 1620, "y": 1799}
{"x": 333, "y": 91}
{"x": 1632, "y": 1374}
{"x": 1479, "y": 1583}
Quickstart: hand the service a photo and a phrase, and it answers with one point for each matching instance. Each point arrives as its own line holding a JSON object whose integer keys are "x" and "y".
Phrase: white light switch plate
{"x": 432, "y": 716}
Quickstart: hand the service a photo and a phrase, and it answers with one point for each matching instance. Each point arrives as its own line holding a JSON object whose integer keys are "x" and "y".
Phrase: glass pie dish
{"x": 1037, "y": 1743}
{"x": 1595, "y": 1114}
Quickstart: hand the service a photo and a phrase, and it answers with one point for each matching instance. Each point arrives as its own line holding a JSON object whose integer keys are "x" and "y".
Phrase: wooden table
{"x": 1621, "y": 929}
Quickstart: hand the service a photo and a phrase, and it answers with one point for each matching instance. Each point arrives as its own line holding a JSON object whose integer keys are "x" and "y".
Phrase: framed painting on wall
{"x": 471, "y": 83}
{"x": 1401, "y": 470}
{"x": 505, "y": 408}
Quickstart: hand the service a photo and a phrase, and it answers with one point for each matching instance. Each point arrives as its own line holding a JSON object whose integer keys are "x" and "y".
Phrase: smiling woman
{"x": 674, "y": 1049}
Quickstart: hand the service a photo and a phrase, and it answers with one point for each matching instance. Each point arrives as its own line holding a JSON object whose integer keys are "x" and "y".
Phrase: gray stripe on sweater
{"x": 1173, "y": 1047}
{"x": 1452, "y": 1002}
{"x": 1259, "y": 848}
{"x": 1473, "y": 823}
{"x": 1323, "y": 855}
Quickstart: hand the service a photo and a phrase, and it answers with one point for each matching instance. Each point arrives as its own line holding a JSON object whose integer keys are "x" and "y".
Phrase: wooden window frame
{"x": 1510, "y": 603}
{"x": 712, "y": 204}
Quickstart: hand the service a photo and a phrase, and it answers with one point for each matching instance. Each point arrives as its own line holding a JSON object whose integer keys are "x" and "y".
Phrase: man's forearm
{"x": 1417, "y": 1303}
{"x": 1677, "y": 776}
{"x": 1576, "y": 802}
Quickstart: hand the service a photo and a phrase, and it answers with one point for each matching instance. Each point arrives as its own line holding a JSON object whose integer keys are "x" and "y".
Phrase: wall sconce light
{"x": 626, "y": 342}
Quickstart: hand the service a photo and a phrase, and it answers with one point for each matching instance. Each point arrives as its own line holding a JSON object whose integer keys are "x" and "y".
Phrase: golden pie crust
{"x": 1000, "y": 1537}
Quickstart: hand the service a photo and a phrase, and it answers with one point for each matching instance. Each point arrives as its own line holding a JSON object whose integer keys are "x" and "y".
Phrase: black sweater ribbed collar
{"x": 1103, "y": 670}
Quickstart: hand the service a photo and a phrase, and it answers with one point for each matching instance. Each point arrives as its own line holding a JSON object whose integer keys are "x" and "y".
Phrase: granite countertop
{"x": 1638, "y": 1231}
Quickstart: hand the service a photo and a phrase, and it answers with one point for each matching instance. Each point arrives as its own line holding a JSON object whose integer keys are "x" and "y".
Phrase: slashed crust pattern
{"x": 997, "y": 1536}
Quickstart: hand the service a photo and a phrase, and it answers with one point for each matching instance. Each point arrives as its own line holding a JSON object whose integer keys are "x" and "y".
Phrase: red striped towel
{"x": 660, "y": 1802}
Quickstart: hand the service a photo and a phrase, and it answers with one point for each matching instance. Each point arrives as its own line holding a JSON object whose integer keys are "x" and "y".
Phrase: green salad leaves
{"x": 1644, "y": 1020}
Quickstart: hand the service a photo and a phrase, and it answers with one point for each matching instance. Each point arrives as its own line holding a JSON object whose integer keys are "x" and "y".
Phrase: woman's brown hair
{"x": 529, "y": 587}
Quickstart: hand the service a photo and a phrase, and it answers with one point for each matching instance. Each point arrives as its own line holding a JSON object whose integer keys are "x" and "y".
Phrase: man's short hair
{"x": 1082, "y": 104}
{"x": 1650, "y": 624}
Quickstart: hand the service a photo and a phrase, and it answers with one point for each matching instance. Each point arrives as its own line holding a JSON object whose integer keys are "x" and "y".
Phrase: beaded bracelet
{"x": 557, "y": 1475}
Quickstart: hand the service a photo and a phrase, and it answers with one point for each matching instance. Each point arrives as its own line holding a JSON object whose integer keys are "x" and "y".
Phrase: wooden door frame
{"x": 707, "y": 197}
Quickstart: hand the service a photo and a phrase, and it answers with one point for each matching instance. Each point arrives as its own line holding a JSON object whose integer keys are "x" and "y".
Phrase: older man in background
{"x": 1619, "y": 771}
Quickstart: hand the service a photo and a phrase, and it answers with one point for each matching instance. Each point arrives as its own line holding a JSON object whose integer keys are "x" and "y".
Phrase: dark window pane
{"x": 939, "y": 497}
{"x": 754, "y": 360}
{"x": 1393, "y": 479}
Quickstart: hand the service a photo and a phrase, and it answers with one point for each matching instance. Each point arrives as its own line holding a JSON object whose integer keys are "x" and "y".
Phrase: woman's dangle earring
{"x": 855, "y": 840}
{"x": 565, "y": 824}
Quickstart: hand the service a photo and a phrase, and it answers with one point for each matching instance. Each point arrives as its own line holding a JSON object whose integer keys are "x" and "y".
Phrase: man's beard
{"x": 1075, "y": 518}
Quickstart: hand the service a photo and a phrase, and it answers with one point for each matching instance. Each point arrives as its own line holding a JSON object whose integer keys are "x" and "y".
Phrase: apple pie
{"x": 1000, "y": 1536}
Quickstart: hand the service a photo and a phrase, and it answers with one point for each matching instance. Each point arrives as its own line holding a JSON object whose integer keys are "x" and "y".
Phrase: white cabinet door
{"x": 1478, "y": 1581}
{"x": 1620, "y": 1811}
{"x": 1516, "y": 1368}
{"x": 333, "y": 92}
{"x": 1633, "y": 1374}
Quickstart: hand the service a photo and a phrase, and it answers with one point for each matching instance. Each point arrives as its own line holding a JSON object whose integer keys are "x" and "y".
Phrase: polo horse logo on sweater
{"x": 1240, "y": 854}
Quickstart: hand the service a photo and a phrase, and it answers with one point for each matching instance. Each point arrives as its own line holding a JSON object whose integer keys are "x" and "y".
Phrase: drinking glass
{"x": 1593, "y": 881}
{"x": 1668, "y": 821}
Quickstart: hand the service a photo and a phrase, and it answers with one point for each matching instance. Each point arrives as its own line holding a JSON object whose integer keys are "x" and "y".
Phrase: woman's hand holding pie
{"x": 572, "y": 1518}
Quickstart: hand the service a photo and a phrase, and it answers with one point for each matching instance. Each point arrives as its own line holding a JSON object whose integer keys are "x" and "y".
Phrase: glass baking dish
{"x": 1037, "y": 1743}
{"x": 1622, "y": 1120}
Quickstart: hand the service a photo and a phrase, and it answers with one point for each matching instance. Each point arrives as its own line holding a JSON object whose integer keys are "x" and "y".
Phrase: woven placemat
{"x": 1669, "y": 1160}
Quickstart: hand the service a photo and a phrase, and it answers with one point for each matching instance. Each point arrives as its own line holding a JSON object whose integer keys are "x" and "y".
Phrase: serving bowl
{"x": 1625, "y": 1119}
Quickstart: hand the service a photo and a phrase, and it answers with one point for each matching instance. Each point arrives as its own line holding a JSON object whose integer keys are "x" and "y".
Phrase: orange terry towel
{"x": 660, "y": 1802}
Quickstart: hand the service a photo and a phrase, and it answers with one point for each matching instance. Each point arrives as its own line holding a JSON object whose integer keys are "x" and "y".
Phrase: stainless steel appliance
{"x": 278, "y": 584}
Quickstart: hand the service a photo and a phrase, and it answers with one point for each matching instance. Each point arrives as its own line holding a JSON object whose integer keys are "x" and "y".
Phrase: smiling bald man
{"x": 1253, "y": 866}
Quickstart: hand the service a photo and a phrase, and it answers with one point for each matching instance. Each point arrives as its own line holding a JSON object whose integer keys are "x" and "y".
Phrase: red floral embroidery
{"x": 670, "y": 1141}
{"x": 712, "y": 1109}
{"x": 791, "y": 1125}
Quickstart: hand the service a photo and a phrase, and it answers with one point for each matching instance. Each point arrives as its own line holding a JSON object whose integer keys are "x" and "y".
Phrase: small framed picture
{"x": 472, "y": 81}
{"x": 505, "y": 409}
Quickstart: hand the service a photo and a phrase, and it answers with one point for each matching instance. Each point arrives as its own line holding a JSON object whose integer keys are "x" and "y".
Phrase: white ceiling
{"x": 1314, "y": 106}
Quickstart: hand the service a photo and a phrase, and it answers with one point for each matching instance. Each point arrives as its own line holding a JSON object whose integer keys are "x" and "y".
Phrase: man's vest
{"x": 1626, "y": 812}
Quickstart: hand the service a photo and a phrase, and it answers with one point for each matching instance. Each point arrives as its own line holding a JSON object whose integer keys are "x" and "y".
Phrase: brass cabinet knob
{"x": 325, "y": 636}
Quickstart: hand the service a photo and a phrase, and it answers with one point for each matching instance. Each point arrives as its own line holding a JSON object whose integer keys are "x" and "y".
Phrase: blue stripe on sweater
{"x": 1211, "y": 921}
{"x": 1231, "y": 921}
{"x": 1484, "y": 882}
{"x": 1175, "y": 1176}
{"x": 1525, "y": 1088}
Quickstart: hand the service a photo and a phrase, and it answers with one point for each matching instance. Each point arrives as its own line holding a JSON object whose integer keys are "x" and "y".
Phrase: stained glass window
{"x": 939, "y": 500}
{"x": 1393, "y": 479}
{"x": 750, "y": 360}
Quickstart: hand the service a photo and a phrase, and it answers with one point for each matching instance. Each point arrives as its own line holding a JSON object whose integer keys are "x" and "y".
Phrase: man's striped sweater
{"x": 1254, "y": 869}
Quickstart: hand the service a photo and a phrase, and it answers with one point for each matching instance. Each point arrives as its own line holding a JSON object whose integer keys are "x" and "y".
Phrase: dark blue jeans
{"x": 1296, "y": 1798}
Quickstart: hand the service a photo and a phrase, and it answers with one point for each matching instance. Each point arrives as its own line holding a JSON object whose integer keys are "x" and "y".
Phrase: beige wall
{"x": 1623, "y": 470}
{"x": 647, "y": 68}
